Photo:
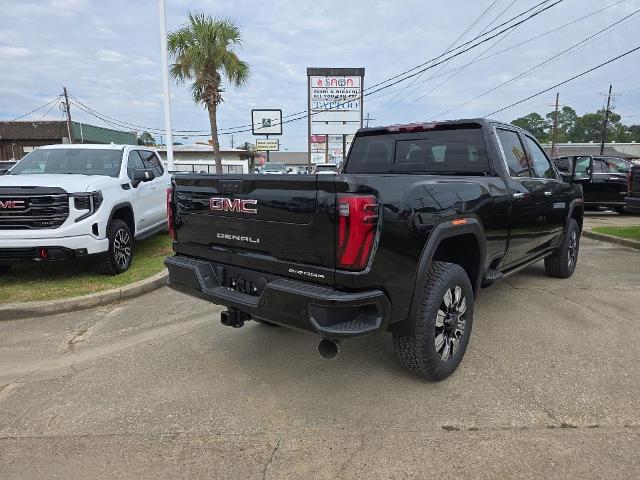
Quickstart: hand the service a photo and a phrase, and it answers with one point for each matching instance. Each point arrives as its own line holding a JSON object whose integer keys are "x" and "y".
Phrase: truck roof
{"x": 92, "y": 146}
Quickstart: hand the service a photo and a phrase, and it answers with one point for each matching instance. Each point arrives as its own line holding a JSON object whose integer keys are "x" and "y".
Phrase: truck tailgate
{"x": 280, "y": 224}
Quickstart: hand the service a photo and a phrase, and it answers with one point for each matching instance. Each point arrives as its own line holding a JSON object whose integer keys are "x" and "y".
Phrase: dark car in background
{"x": 632, "y": 200}
{"x": 5, "y": 165}
{"x": 609, "y": 183}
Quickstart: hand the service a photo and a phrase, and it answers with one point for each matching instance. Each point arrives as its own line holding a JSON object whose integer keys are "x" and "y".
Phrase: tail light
{"x": 357, "y": 224}
{"x": 170, "y": 219}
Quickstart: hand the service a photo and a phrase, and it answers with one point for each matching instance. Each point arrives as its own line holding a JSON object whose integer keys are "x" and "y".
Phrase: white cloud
{"x": 110, "y": 56}
{"x": 107, "y": 54}
{"x": 13, "y": 52}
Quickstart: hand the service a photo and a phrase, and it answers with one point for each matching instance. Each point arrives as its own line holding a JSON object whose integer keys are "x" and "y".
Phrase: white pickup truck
{"x": 64, "y": 202}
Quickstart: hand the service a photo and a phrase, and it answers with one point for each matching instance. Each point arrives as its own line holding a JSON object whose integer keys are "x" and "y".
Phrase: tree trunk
{"x": 211, "y": 108}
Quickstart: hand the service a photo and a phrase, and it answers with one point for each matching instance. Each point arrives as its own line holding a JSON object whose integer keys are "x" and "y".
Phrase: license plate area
{"x": 244, "y": 281}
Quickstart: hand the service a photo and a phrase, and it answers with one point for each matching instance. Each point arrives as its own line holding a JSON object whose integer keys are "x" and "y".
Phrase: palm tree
{"x": 203, "y": 51}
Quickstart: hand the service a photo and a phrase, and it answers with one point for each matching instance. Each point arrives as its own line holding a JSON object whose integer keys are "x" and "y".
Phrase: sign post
{"x": 334, "y": 110}
{"x": 266, "y": 122}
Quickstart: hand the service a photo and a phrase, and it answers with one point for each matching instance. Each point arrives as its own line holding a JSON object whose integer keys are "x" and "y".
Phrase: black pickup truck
{"x": 632, "y": 200}
{"x": 421, "y": 217}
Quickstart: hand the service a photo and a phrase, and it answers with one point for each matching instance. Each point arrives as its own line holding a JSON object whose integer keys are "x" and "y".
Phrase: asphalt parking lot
{"x": 155, "y": 386}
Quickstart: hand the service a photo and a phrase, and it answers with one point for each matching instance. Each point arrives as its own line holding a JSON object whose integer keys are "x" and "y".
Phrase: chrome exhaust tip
{"x": 328, "y": 349}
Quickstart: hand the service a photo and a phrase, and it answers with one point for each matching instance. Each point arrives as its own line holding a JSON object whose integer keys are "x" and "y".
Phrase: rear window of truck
{"x": 443, "y": 151}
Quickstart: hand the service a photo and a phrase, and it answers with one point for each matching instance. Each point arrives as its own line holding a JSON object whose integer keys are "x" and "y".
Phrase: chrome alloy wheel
{"x": 450, "y": 322}
{"x": 572, "y": 251}
{"x": 122, "y": 248}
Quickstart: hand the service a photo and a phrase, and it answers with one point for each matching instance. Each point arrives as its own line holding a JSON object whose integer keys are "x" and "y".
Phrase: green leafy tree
{"x": 146, "y": 139}
{"x": 588, "y": 127}
{"x": 634, "y": 133}
{"x": 535, "y": 124}
{"x": 567, "y": 118}
{"x": 203, "y": 52}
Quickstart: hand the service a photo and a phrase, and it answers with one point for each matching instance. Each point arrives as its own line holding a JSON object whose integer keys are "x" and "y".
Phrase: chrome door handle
{"x": 548, "y": 194}
{"x": 518, "y": 195}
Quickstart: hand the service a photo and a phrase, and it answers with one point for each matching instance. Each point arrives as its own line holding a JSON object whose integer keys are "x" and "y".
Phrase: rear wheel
{"x": 442, "y": 324}
{"x": 118, "y": 257}
{"x": 562, "y": 263}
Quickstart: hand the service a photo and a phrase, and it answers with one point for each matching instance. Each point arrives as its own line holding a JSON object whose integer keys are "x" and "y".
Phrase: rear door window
{"x": 447, "y": 151}
{"x": 514, "y": 153}
{"x": 539, "y": 162}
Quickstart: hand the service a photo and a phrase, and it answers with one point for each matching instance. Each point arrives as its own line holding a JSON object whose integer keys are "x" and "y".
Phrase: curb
{"x": 16, "y": 311}
{"x": 625, "y": 242}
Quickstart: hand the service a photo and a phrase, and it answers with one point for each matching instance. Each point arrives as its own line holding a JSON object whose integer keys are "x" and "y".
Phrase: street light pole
{"x": 165, "y": 83}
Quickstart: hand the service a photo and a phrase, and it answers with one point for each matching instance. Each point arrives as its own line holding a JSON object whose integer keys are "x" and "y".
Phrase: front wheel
{"x": 562, "y": 263}
{"x": 118, "y": 257}
{"x": 442, "y": 324}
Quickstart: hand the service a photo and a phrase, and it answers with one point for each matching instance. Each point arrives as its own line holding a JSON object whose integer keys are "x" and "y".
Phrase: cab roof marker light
{"x": 411, "y": 127}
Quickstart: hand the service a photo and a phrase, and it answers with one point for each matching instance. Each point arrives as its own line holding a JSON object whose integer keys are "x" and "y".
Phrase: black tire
{"x": 4, "y": 269}
{"x": 118, "y": 257}
{"x": 265, "y": 322}
{"x": 421, "y": 353}
{"x": 562, "y": 263}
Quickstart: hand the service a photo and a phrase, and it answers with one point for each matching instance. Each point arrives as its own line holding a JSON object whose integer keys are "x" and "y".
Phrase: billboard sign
{"x": 268, "y": 145}
{"x": 266, "y": 122}
{"x": 334, "y": 108}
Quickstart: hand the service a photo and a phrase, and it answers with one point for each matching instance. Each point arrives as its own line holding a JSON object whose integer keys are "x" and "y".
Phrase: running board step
{"x": 491, "y": 277}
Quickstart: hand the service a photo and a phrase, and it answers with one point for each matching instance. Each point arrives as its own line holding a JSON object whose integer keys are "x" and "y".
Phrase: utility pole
{"x": 368, "y": 119}
{"x": 66, "y": 102}
{"x": 606, "y": 121}
{"x": 231, "y": 140}
{"x": 554, "y": 133}
{"x": 165, "y": 83}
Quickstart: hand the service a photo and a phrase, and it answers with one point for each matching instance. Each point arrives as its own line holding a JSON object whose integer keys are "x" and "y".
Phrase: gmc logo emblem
{"x": 12, "y": 204}
{"x": 236, "y": 205}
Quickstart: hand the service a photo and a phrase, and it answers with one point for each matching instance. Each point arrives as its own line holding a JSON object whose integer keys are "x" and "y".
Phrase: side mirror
{"x": 582, "y": 171}
{"x": 142, "y": 175}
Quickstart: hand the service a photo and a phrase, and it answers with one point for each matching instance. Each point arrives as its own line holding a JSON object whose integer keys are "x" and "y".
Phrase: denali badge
{"x": 235, "y": 205}
{"x": 307, "y": 274}
{"x": 228, "y": 236}
{"x": 12, "y": 204}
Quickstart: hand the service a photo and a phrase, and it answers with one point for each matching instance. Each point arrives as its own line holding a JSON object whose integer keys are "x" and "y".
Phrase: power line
{"x": 434, "y": 75}
{"x": 420, "y": 66}
{"x": 451, "y": 45}
{"x": 421, "y": 70}
{"x": 548, "y": 32}
{"x": 399, "y": 78}
{"x": 48, "y": 111}
{"x": 36, "y": 109}
{"x": 611, "y": 60}
{"x": 535, "y": 67}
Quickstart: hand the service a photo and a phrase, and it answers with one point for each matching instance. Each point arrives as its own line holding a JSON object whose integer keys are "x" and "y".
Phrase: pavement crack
{"x": 265, "y": 470}
{"x": 78, "y": 336}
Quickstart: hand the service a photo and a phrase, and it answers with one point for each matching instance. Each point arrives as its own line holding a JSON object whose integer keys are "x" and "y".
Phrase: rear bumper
{"x": 632, "y": 204}
{"x": 322, "y": 310}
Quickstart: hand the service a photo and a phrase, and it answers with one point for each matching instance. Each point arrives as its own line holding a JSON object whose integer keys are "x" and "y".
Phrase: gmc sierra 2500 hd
{"x": 422, "y": 217}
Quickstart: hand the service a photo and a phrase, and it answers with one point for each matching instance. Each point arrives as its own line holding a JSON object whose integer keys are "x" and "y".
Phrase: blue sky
{"x": 107, "y": 54}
